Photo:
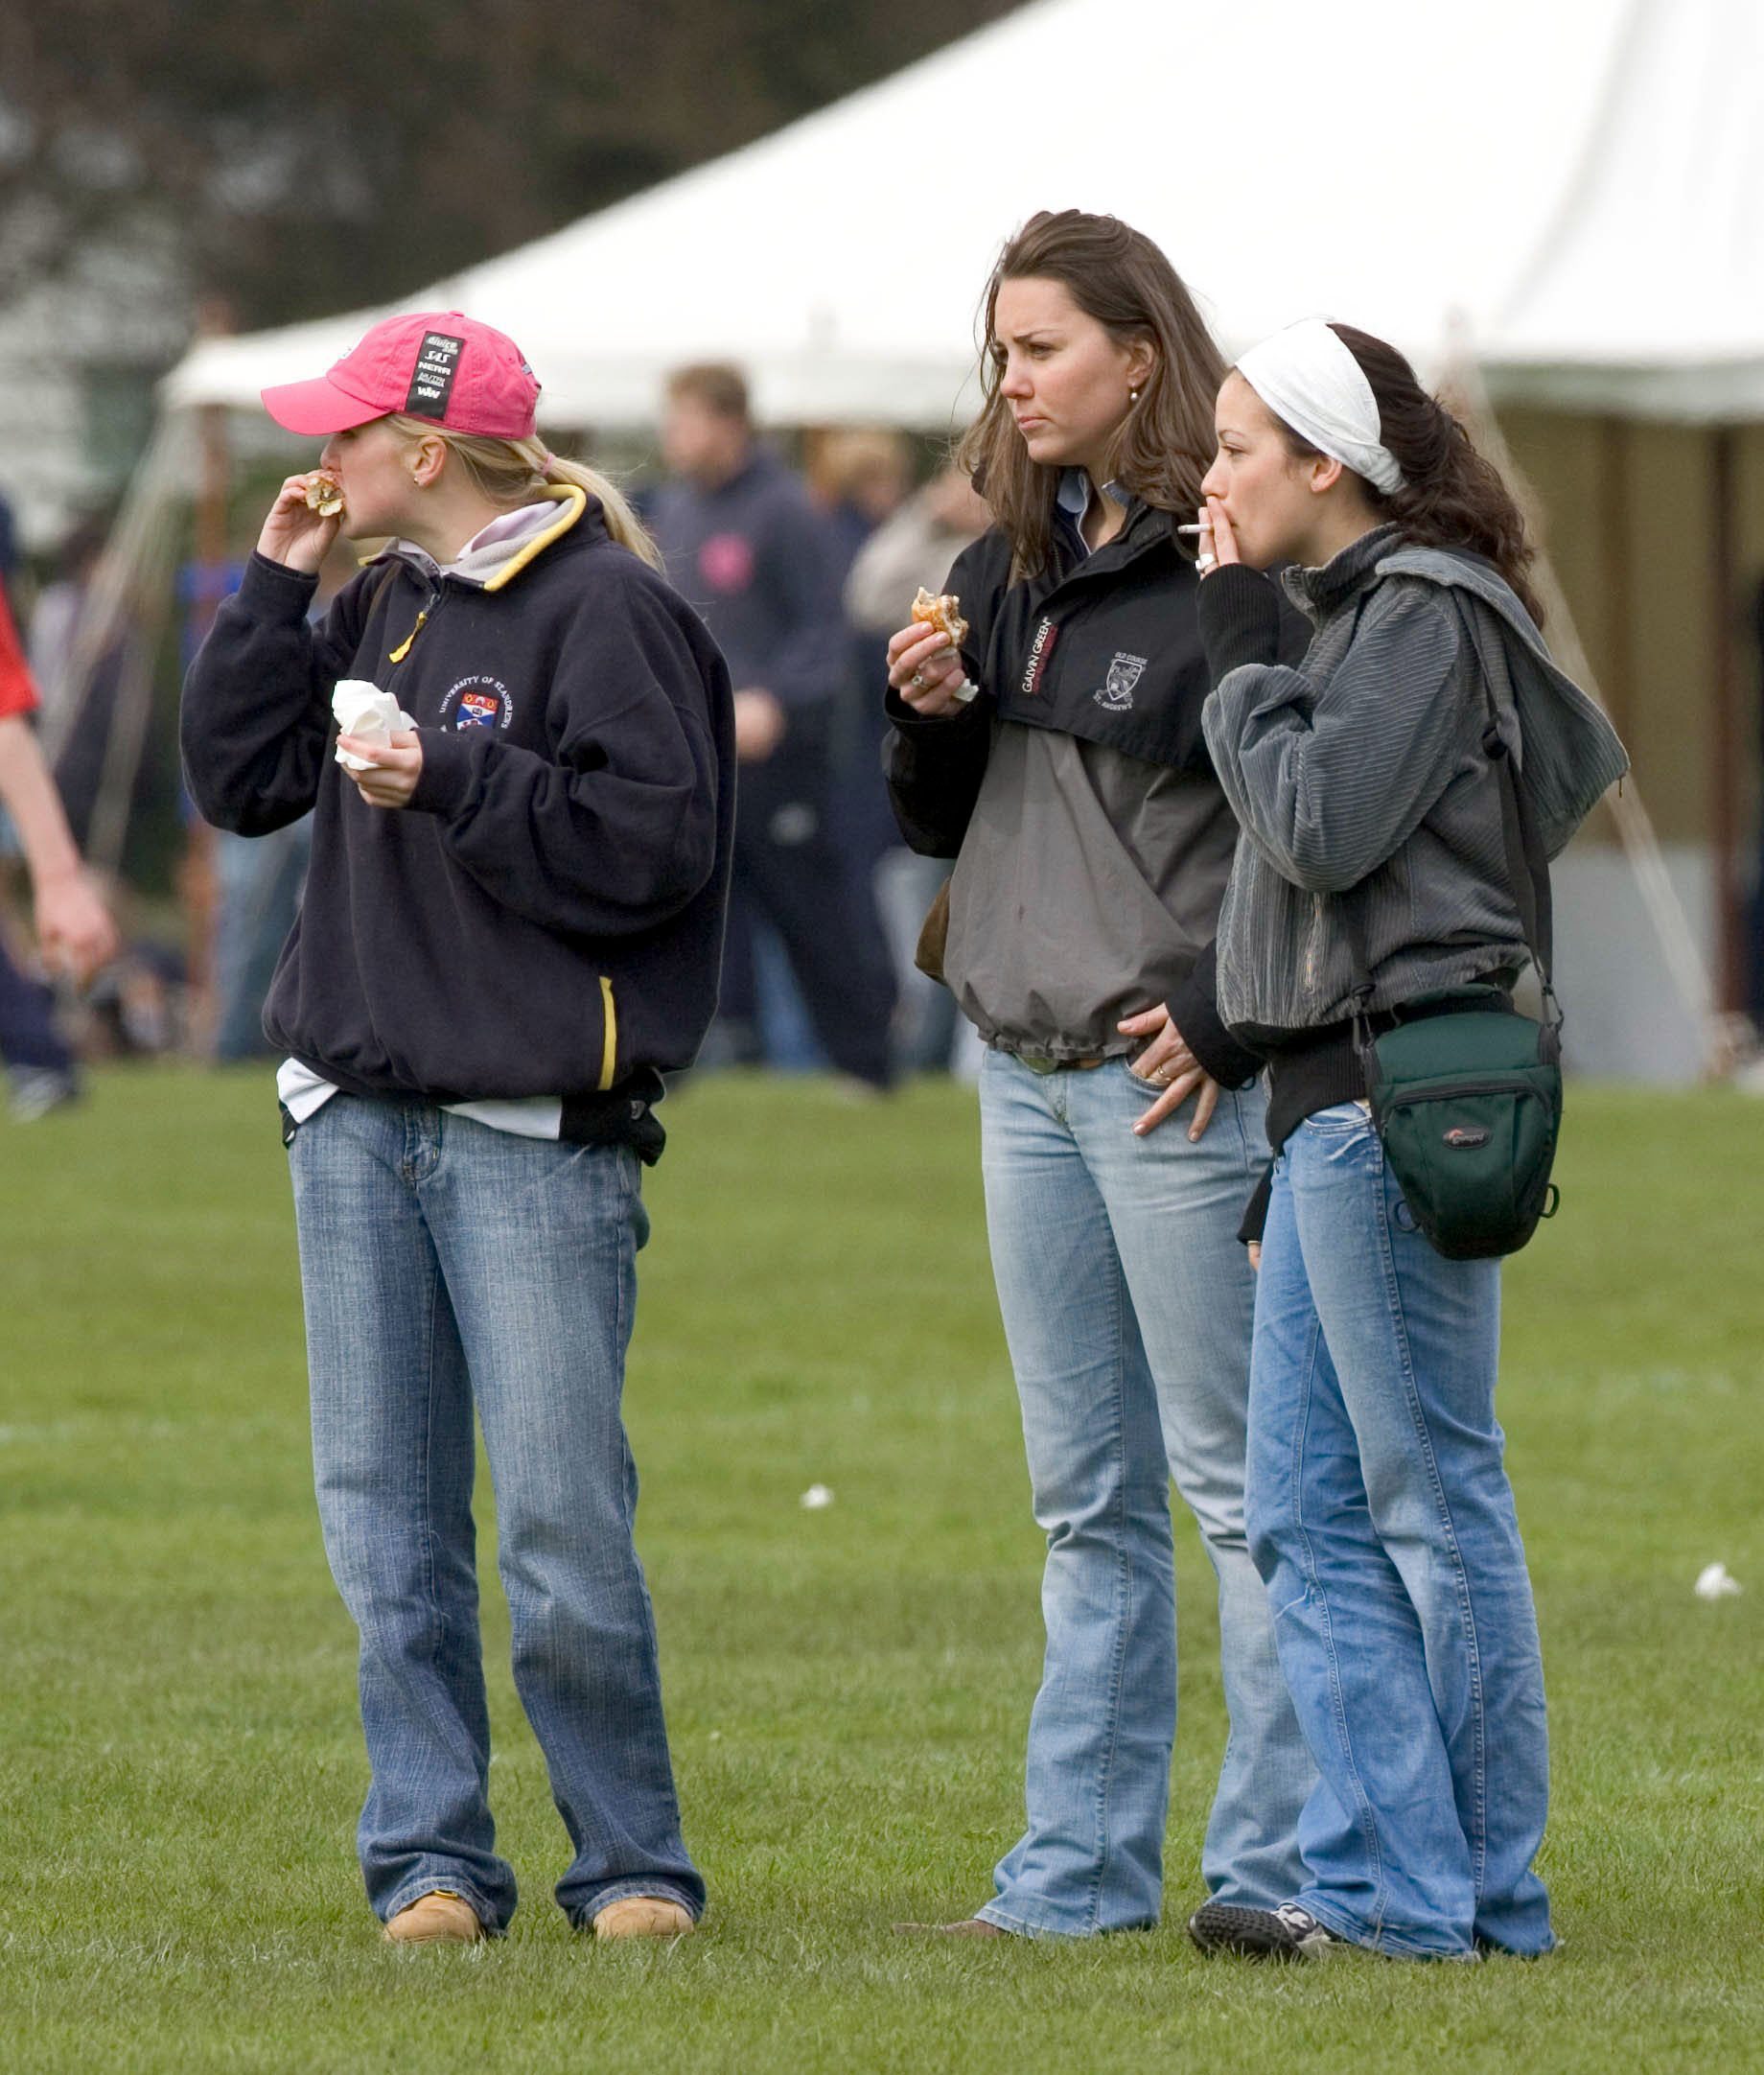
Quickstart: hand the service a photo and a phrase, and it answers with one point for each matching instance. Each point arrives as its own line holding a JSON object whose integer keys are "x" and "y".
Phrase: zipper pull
{"x": 403, "y": 649}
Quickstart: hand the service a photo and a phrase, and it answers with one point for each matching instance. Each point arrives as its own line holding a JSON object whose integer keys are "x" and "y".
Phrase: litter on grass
{"x": 1714, "y": 1581}
{"x": 815, "y": 1498}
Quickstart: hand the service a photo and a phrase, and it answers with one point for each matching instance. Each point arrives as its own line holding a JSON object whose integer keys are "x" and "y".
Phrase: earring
{"x": 1132, "y": 396}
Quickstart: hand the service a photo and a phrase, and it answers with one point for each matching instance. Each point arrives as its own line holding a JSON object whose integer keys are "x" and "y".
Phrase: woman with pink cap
{"x": 510, "y": 933}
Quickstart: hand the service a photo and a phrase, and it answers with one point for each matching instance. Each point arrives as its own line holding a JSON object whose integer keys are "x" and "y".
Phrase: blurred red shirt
{"x": 18, "y": 693}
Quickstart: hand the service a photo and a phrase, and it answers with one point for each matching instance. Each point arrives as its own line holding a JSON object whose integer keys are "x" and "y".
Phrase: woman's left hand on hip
{"x": 1169, "y": 1066}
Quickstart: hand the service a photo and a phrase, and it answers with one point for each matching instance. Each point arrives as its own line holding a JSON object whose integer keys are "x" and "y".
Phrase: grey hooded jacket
{"x": 1361, "y": 774}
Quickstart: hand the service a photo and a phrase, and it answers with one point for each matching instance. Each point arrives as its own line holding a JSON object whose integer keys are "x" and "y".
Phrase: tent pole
{"x": 1615, "y": 567}
{"x": 199, "y": 882}
{"x": 1725, "y": 727}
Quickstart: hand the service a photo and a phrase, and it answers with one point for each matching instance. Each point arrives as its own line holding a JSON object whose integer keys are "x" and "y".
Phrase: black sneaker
{"x": 1286, "y": 1933}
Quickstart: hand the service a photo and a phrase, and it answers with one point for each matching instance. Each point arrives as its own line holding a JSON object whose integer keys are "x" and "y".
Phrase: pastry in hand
{"x": 323, "y": 494}
{"x": 943, "y": 612}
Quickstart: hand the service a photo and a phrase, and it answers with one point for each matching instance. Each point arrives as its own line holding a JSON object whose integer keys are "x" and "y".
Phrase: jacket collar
{"x": 1317, "y": 593}
{"x": 1144, "y": 527}
{"x": 490, "y": 570}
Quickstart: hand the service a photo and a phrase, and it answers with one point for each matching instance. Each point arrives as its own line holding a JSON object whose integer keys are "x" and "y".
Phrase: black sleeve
{"x": 933, "y": 768}
{"x": 1240, "y": 612}
{"x": 1256, "y": 1210}
{"x": 255, "y": 722}
{"x": 1194, "y": 1009}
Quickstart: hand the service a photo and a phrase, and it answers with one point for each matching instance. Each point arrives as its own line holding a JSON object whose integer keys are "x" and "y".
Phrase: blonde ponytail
{"x": 621, "y": 521}
{"x": 512, "y": 472}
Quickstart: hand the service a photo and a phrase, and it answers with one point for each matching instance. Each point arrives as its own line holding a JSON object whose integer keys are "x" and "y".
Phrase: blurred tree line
{"x": 306, "y": 157}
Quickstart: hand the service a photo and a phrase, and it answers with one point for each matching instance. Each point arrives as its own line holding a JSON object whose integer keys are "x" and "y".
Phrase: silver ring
{"x": 1206, "y": 564}
{"x": 917, "y": 680}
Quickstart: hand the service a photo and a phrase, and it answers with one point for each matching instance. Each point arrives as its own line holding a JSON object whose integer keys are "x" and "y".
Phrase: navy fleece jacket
{"x": 546, "y": 917}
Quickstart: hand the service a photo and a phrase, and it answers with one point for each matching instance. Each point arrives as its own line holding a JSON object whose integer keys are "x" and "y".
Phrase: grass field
{"x": 179, "y": 1759}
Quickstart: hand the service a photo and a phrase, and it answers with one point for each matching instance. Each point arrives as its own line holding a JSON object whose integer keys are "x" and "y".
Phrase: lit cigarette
{"x": 1207, "y": 528}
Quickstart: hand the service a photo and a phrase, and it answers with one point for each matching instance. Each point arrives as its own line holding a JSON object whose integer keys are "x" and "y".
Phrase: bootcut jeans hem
{"x": 438, "y": 1881}
{"x": 620, "y": 1891}
{"x": 1343, "y": 1926}
{"x": 1020, "y": 1926}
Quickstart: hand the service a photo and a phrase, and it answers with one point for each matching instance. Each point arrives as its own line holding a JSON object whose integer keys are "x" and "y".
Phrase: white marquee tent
{"x": 1575, "y": 190}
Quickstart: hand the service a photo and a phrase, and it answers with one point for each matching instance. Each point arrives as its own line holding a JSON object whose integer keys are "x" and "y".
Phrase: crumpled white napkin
{"x": 368, "y": 714}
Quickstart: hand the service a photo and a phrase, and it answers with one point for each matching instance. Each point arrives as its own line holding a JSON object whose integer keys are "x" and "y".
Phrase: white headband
{"x": 1310, "y": 380}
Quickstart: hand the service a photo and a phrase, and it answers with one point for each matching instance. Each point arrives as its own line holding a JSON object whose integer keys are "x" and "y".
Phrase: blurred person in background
{"x": 1059, "y": 759}
{"x": 75, "y": 934}
{"x": 748, "y": 549}
{"x": 259, "y": 881}
{"x": 10, "y": 558}
{"x": 912, "y": 547}
{"x": 859, "y": 476}
{"x": 510, "y": 933}
{"x": 79, "y": 704}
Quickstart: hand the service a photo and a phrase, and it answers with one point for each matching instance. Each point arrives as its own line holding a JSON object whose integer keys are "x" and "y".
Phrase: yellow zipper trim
{"x": 608, "y": 1051}
{"x": 403, "y": 649}
{"x": 567, "y": 494}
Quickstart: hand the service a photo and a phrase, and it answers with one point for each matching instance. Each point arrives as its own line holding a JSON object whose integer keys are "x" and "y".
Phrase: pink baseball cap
{"x": 432, "y": 364}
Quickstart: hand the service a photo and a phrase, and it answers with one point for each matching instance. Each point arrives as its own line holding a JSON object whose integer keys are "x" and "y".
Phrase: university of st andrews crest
{"x": 1124, "y": 674}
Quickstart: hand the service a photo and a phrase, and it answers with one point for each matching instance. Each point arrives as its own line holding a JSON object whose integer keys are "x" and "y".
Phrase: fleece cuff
{"x": 1239, "y": 618}
{"x": 1194, "y": 1009}
{"x": 448, "y": 775}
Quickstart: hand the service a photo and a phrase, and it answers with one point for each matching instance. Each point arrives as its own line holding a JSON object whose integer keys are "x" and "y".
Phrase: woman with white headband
{"x": 1371, "y": 847}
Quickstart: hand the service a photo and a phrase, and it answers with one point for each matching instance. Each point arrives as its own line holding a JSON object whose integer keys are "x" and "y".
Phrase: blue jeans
{"x": 1382, "y": 1518}
{"x": 1126, "y": 1304}
{"x": 445, "y": 1264}
{"x": 261, "y": 880}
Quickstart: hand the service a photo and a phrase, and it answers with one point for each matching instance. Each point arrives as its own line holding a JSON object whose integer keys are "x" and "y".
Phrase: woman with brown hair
{"x": 1382, "y": 875}
{"x": 1056, "y": 754}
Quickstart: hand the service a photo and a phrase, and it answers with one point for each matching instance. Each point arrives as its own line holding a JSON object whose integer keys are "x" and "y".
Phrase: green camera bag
{"x": 1468, "y": 1102}
{"x": 1465, "y": 1092}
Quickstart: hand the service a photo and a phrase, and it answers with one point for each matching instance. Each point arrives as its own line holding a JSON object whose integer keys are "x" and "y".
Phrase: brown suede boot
{"x": 439, "y": 1918}
{"x": 643, "y": 1915}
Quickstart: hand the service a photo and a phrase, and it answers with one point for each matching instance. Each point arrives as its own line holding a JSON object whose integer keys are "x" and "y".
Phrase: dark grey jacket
{"x": 1362, "y": 774}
